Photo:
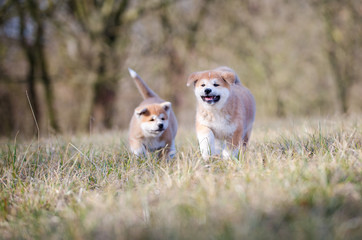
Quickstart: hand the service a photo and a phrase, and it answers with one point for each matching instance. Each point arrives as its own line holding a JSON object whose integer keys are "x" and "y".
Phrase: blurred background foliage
{"x": 69, "y": 58}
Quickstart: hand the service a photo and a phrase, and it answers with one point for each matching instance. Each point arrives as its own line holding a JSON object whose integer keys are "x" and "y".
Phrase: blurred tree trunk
{"x": 343, "y": 80}
{"x": 270, "y": 79}
{"x": 176, "y": 67}
{"x": 31, "y": 59}
{"x": 105, "y": 90}
{"x": 115, "y": 19}
{"x": 108, "y": 15}
{"x": 42, "y": 63}
{"x": 106, "y": 84}
{"x": 342, "y": 27}
{"x": 36, "y": 57}
{"x": 258, "y": 52}
{"x": 194, "y": 25}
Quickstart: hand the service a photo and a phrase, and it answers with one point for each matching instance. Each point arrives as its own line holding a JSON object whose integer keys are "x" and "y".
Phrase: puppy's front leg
{"x": 169, "y": 151}
{"x": 137, "y": 147}
{"x": 172, "y": 150}
{"x": 233, "y": 145}
{"x": 230, "y": 152}
{"x": 206, "y": 141}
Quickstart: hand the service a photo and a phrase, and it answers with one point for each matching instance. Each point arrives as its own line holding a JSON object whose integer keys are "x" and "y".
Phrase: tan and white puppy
{"x": 225, "y": 112}
{"x": 153, "y": 125}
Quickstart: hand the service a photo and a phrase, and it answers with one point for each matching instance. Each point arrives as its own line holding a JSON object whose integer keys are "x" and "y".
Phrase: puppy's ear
{"x": 140, "y": 111}
{"x": 166, "y": 106}
{"x": 193, "y": 78}
{"x": 228, "y": 77}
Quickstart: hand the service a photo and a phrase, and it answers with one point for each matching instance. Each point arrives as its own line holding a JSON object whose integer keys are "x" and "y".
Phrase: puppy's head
{"x": 154, "y": 118}
{"x": 212, "y": 88}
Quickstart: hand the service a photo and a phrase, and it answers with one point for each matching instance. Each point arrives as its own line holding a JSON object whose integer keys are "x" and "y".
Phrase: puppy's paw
{"x": 139, "y": 152}
{"x": 171, "y": 154}
{"x": 230, "y": 154}
{"x": 205, "y": 153}
{"x": 207, "y": 146}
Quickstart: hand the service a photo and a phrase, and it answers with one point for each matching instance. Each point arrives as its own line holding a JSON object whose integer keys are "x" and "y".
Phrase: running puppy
{"x": 153, "y": 125}
{"x": 225, "y": 112}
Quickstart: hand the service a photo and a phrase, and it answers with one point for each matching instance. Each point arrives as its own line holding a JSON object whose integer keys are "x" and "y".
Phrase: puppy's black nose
{"x": 160, "y": 126}
{"x": 207, "y": 90}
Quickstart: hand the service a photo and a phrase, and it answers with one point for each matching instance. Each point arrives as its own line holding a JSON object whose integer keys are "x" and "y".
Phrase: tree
{"x": 32, "y": 19}
{"x": 343, "y": 31}
{"x": 176, "y": 59}
{"x": 107, "y": 24}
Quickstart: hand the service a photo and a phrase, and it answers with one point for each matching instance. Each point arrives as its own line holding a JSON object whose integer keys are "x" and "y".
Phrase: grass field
{"x": 299, "y": 179}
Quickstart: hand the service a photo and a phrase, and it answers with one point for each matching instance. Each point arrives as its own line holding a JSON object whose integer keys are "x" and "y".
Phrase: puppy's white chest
{"x": 219, "y": 123}
{"x": 153, "y": 144}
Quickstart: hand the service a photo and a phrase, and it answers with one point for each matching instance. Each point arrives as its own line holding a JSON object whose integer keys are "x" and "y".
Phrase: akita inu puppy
{"x": 225, "y": 112}
{"x": 153, "y": 125}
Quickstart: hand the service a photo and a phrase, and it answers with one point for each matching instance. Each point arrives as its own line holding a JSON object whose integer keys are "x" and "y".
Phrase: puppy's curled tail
{"x": 145, "y": 91}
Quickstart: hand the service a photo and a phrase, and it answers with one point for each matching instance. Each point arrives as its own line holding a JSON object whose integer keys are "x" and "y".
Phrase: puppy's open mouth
{"x": 210, "y": 99}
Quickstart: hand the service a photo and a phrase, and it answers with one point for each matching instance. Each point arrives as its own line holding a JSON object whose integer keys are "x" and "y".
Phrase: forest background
{"x": 64, "y": 62}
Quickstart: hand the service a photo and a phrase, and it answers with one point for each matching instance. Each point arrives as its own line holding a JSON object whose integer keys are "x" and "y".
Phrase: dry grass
{"x": 300, "y": 179}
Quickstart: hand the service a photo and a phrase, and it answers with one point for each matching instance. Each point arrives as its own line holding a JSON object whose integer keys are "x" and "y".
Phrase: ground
{"x": 298, "y": 179}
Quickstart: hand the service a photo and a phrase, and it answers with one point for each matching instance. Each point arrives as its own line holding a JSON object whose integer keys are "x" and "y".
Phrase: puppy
{"x": 153, "y": 125}
{"x": 225, "y": 112}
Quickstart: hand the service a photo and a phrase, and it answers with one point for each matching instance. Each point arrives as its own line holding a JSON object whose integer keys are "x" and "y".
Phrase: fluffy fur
{"x": 225, "y": 112}
{"x": 153, "y": 125}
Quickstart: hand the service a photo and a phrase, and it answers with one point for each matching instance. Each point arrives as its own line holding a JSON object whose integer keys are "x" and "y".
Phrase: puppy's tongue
{"x": 209, "y": 98}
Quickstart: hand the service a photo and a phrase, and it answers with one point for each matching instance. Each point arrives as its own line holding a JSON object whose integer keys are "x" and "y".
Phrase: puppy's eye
{"x": 202, "y": 85}
{"x": 216, "y": 85}
{"x": 162, "y": 119}
{"x": 151, "y": 120}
